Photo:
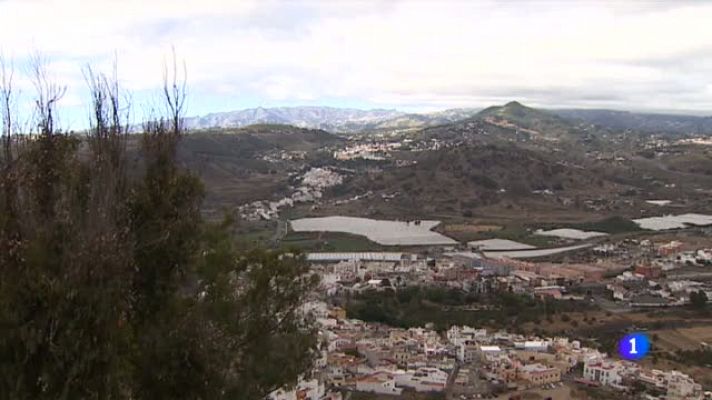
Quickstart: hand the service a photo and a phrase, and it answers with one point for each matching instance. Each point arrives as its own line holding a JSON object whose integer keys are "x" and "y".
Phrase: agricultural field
{"x": 505, "y": 231}
{"x": 690, "y": 338}
{"x": 674, "y": 221}
{"x": 402, "y": 233}
{"x": 568, "y": 233}
{"x": 329, "y": 241}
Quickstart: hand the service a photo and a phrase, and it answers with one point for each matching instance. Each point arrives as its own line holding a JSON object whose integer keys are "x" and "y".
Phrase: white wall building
{"x": 423, "y": 379}
{"x": 459, "y": 334}
{"x": 380, "y": 383}
{"x": 306, "y": 390}
{"x": 681, "y": 386}
{"x": 467, "y": 351}
{"x": 606, "y": 372}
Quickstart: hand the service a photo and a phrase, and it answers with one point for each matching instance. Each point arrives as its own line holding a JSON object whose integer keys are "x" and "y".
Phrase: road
{"x": 280, "y": 231}
{"x": 476, "y": 385}
{"x": 612, "y": 306}
{"x": 690, "y": 275}
{"x": 451, "y": 382}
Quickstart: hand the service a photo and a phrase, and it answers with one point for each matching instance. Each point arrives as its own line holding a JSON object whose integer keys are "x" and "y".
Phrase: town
{"x": 373, "y": 350}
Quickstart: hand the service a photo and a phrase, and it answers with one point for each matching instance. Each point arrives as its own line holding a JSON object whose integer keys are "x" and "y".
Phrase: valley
{"x": 511, "y": 166}
{"x": 572, "y": 215}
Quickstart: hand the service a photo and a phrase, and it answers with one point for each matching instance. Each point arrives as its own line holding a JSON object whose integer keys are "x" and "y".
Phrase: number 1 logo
{"x": 634, "y": 346}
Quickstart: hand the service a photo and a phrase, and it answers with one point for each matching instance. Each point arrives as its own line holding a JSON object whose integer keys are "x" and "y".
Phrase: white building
{"x": 608, "y": 373}
{"x": 704, "y": 256}
{"x": 355, "y": 256}
{"x": 533, "y": 345}
{"x": 305, "y": 390}
{"x": 490, "y": 351}
{"x": 423, "y": 379}
{"x": 467, "y": 351}
{"x": 458, "y": 334}
{"x": 379, "y": 382}
{"x": 681, "y": 386}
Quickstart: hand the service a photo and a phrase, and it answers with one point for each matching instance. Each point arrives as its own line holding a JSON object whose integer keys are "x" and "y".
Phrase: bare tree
{"x": 106, "y": 138}
{"x": 8, "y": 177}
{"x": 162, "y": 133}
{"x": 110, "y": 119}
{"x": 174, "y": 91}
{"x": 6, "y": 104}
{"x": 48, "y": 93}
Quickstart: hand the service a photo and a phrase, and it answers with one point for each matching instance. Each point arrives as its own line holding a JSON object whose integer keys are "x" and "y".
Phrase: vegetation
{"x": 698, "y": 300}
{"x": 329, "y": 241}
{"x": 111, "y": 284}
{"x": 418, "y": 306}
{"x": 521, "y": 234}
{"x": 512, "y": 231}
{"x": 611, "y": 225}
{"x": 701, "y": 358}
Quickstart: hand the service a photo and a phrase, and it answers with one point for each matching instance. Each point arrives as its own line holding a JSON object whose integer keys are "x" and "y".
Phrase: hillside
{"x": 261, "y": 137}
{"x": 246, "y": 164}
{"x": 519, "y": 161}
{"x": 528, "y": 127}
{"x": 506, "y": 160}
{"x": 460, "y": 180}
{"x": 537, "y": 123}
{"x": 650, "y": 123}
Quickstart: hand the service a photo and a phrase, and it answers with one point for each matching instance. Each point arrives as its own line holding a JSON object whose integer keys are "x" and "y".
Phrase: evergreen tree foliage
{"x": 111, "y": 284}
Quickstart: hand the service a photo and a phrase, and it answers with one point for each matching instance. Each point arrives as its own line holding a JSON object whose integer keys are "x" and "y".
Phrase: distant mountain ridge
{"x": 644, "y": 122}
{"x": 351, "y": 120}
{"x": 346, "y": 120}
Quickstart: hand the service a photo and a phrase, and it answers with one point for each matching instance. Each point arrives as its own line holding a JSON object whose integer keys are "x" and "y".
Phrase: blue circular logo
{"x": 634, "y": 346}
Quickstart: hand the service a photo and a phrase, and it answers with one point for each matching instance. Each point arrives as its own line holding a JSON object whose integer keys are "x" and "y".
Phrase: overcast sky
{"x": 409, "y": 55}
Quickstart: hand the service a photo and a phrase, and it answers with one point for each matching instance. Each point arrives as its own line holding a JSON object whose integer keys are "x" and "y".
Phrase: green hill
{"x": 537, "y": 122}
{"x": 244, "y": 164}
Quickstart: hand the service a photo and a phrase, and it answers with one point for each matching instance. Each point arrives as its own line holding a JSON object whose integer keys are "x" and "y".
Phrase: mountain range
{"x": 502, "y": 160}
{"x": 342, "y": 120}
{"x": 351, "y": 120}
